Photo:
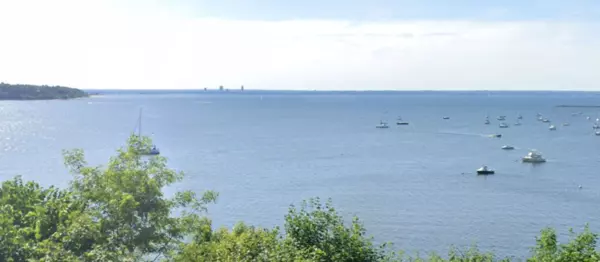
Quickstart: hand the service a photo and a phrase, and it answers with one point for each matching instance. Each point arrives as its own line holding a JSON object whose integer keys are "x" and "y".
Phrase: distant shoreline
{"x": 21, "y": 92}
{"x": 579, "y": 106}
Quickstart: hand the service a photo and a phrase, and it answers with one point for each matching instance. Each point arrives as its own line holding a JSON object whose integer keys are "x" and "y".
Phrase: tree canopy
{"x": 33, "y": 92}
{"x": 119, "y": 212}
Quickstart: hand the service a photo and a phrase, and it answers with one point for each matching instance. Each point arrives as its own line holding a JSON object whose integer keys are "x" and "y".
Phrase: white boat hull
{"x": 533, "y": 160}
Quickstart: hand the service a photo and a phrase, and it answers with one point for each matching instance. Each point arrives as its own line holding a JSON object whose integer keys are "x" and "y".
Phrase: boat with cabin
{"x": 484, "y": 170}
{"x": 533, "y": 157}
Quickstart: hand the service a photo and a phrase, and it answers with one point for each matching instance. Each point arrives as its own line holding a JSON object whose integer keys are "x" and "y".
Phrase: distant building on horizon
{"x": 220, "y": 88}
{"x": 242, "y": 88}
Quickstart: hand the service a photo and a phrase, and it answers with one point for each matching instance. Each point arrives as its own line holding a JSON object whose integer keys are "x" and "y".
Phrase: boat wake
{"x": 466, "y": 134}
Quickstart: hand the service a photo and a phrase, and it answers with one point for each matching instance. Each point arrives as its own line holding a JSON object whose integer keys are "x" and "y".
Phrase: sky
{"x": 302, "y": 45}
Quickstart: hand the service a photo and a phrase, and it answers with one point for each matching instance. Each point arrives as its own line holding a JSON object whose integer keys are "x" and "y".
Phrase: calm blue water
{"x": 412, "y": 185}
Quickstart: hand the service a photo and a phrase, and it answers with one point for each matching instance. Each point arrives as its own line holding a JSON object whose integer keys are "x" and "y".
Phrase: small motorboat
{"x": 496, "y": 135}
{"x": 598, "y": 133}
{"x": 596, "y": 126}
{"x": 382, "y": 125}
{"x": 533, "y": 157}
{"x": 517, "y": 124}
{"x": 507, "y": 147}
{"x": 552, "y": 127}
{"x": 546, "y": 120}
{"x": 503, "y": 125}
{"x": 588, "y": 118}
{"x": 520, "y": 117}
{"x": 484, "y": 170}
{"x": 446, "y": 117}
{"x": 487, "y": 122}
{"x": 400, "y": 122}
{"x": 501, "y": 118}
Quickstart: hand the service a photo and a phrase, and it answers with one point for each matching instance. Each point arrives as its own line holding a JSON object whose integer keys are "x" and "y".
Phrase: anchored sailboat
{"x": 153, "y": 150}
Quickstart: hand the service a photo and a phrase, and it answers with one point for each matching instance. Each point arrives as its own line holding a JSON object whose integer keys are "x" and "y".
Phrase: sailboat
{"x": 487, "y": 114}
{"x": 153, "y": 150}
{"x": 401, "y": 122}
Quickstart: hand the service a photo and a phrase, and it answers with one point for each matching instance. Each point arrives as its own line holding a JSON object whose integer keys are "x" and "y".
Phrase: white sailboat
{"x": 382, "y": 124}
{"x": 153, "y": 150}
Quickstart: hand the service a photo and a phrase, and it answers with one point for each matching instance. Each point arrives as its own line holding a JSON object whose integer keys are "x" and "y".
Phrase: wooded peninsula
{"x": 34, "y": 92}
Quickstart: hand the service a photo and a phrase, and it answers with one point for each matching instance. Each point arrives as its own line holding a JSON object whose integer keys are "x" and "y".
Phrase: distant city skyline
{"x": 302, "y": 45}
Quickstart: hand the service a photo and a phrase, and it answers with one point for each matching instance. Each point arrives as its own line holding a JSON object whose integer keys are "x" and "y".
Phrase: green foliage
{"x": 242, "y": 243}
{"x": 581, "y": 247}
{"x": 120, "y": 213}
{"x": 318, "y": 230}
{"x": 315, "y": 232}
{"x": 117, "y": 213}
{"x": 30, "y": 215}
{"x": 32, "y": 92}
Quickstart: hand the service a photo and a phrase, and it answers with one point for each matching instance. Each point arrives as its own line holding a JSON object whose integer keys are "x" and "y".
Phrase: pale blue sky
{"x": 311, "y": 44}
{"x": 395, "y": 9}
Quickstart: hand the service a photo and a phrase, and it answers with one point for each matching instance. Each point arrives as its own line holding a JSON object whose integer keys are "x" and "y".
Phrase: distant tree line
{"x": 119, "y": 213}
{"x": 34, "y": 92}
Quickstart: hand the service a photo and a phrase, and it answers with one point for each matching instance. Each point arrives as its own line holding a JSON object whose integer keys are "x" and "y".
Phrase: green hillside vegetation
{"x": 118, "y": 212}
{"x": 33, "y": 92}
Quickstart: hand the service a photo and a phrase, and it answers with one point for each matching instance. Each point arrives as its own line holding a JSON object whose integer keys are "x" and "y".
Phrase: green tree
{"x": 127, "y": 202}
{"x": 581, "y": 247}
{"x": 31, "y": 216}
{"x": 319, "y": 231}
{"x": 116, "y": 213}
{"x": 314, "y": 232}
{"x": 33, "y": 92}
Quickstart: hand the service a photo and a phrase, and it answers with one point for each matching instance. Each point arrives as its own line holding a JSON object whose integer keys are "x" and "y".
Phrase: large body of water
{"x": 412, "y": 185}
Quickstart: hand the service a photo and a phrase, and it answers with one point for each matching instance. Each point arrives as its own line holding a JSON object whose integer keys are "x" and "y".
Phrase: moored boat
{"x": 533, "y": 157}
{"x": 484, "y": 170}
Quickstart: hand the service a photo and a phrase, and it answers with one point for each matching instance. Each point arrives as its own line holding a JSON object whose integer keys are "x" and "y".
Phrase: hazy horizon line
{"x": 339, "y": 91}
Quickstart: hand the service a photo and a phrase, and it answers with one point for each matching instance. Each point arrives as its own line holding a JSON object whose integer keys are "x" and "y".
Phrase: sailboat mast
{"x": 140, "y": 124}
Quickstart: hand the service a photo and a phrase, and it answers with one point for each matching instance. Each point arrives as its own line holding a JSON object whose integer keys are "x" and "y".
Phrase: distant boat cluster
{"x": 399, "y": 121}
{"x": 533, "y": 156}
{"x": 223, "y": 89}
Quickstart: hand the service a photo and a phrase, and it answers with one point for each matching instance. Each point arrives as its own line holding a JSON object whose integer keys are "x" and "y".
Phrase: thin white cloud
{"x": 93, "y": 45}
